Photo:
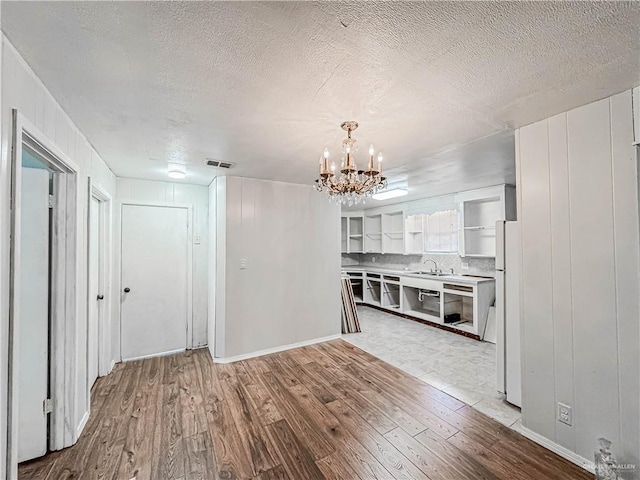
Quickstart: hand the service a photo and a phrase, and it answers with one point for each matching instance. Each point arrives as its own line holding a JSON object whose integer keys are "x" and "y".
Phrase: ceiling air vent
{"x": 218, "y": 163}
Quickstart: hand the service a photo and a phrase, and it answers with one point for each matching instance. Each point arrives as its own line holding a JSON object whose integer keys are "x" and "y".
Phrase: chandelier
{"x": 352, "y": 186}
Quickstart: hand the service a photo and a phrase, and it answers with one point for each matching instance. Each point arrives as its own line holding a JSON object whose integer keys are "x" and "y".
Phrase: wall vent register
{"x": 210, "y": 162}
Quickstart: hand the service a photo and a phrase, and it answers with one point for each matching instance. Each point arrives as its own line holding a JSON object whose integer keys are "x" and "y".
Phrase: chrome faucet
{"x": 434, "y": 264}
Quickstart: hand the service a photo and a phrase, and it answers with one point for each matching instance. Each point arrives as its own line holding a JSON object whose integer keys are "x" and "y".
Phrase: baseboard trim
{"x": 269, "y": 351}
{"x": 162, "y": 354}
{"x": 558, "y": 449}
{"x": 83, "y": 423}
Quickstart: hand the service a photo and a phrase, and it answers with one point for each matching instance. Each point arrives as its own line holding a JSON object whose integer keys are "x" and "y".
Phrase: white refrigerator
{"x": 508, "y": 311}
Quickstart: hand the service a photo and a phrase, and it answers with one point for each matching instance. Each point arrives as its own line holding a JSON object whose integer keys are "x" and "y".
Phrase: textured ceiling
{"x": 266, "y": 84}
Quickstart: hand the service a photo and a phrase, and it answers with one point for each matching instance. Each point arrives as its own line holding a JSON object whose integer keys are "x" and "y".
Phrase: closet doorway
{"x": 99, "y": 299}
{"x": 42, "y": 301}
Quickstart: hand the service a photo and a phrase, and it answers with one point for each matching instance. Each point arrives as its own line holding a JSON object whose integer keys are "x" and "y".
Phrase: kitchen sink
{"x": 433, "y": 274}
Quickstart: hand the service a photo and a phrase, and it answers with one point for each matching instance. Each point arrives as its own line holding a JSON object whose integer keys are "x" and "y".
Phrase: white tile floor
{"x": 462, "y": 367}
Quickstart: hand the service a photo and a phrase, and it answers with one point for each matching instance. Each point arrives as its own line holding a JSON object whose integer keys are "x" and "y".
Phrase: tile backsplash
{"x": 477, "y": 266}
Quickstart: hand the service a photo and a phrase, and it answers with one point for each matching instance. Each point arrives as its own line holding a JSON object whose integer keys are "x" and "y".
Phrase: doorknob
{"x": 100, "y": 297}
{"x": 127, "y": 290}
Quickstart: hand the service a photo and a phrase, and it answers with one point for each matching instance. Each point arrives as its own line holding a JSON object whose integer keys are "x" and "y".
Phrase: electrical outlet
{"x": 565, "y": 414}
{"x": 373, "y": 259}
{"x": 243, "y": 264}
{"x": 465, "y": 266}
{"x": 196, "y": 239}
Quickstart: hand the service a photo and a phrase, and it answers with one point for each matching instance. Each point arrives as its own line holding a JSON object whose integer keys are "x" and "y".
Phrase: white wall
{"x": 290, "y": 290}
{"x": 133, "y": 190}
{"x": 578, "y": 211}
{"x": 21, "y": 89}
{"x": 211, "y": 300}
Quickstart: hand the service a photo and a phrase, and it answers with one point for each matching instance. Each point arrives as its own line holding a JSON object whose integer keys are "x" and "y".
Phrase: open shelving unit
{"x": 458, "y": 300}
{"x": 479, "y": 226}
{"x": 414, "y": 231}
{"x": 393, "y": 232}
{"x": 391, "y": 292}
{"x": 422, "y": 303}
{"x": 356, "y": 244}
{"x": 373, "y": 292}
{"x": 373, "y": 234}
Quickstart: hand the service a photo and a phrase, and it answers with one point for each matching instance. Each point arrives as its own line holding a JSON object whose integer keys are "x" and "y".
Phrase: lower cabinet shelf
{"x": 459, "y": 307}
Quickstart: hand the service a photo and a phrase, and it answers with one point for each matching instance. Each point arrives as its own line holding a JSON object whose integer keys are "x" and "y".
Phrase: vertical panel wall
{"x": 134, "y": 190}
{"x": 22, "y": 90}
{"x": 626, "y": 241}
{"x": 281, "y": 266}
{"x": 578, "y": 192}
{"x": 537, "y": 328}
{"x": 211, "y": 300}
{"x": 4, "y": 277}
{"x": 593, "y": 275}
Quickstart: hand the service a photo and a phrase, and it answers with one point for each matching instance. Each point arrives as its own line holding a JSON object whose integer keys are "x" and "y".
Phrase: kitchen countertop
{"x": 407, "y": 273}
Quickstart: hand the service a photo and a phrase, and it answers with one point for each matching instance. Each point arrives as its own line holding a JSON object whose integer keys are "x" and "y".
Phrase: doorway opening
{"x": 99, "y": 241}
{"x": 42, "y": 301}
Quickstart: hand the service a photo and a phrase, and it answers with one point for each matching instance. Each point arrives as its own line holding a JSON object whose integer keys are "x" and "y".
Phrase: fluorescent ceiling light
{"x": 396, "y": 192}
{"x": 177, "y": 170}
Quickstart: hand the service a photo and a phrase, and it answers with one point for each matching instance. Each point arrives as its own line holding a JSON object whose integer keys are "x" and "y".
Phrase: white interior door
{"x": 94, "y": 291}
{"x": 154, "y": 280}
{"x": 33, "y": 369}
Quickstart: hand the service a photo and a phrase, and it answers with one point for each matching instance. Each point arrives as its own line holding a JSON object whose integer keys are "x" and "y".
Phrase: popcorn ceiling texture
{"x": 477, "y": 266}
{"x": 266, "y": 84}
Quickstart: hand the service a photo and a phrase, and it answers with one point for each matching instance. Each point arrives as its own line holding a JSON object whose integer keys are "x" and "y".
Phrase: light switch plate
{"x": 465, "y": 266}
{"x": 243, "y": 264}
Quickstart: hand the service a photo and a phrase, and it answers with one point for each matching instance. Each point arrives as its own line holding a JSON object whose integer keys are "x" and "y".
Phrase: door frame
{"x": 189, "y": 208}
{"x": 65, "y": 264}
{"x": 105, "y": 261}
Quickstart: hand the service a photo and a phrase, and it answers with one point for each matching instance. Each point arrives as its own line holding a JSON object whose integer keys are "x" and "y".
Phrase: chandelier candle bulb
{"x": 325, "y": 164}
{"x": 380, "y": 163}
{"x": 371, "y": 152}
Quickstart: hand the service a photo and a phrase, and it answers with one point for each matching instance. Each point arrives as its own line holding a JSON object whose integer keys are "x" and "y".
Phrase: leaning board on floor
{"x": 350, "y": 321}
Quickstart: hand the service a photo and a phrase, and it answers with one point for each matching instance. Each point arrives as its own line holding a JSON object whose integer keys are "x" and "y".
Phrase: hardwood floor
{"x": 327, "y": 411}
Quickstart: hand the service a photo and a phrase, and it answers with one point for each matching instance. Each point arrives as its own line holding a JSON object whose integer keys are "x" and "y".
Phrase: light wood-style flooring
{"x": 324, "y": 411}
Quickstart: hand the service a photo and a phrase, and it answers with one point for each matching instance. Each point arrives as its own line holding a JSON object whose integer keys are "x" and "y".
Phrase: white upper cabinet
{"x": 373, "y": 233}
{"x": 414, "y": 233}
{"x": 352, "y": 233}
{"x": 462, "y": 223}
{"x": 479, "y": 214}
{"x": 393, "y": 232}
{"x": 384, "y": 233}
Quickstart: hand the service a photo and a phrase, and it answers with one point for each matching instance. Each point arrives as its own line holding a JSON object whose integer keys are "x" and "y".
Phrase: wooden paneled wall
{"x": 578, "y": 212}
